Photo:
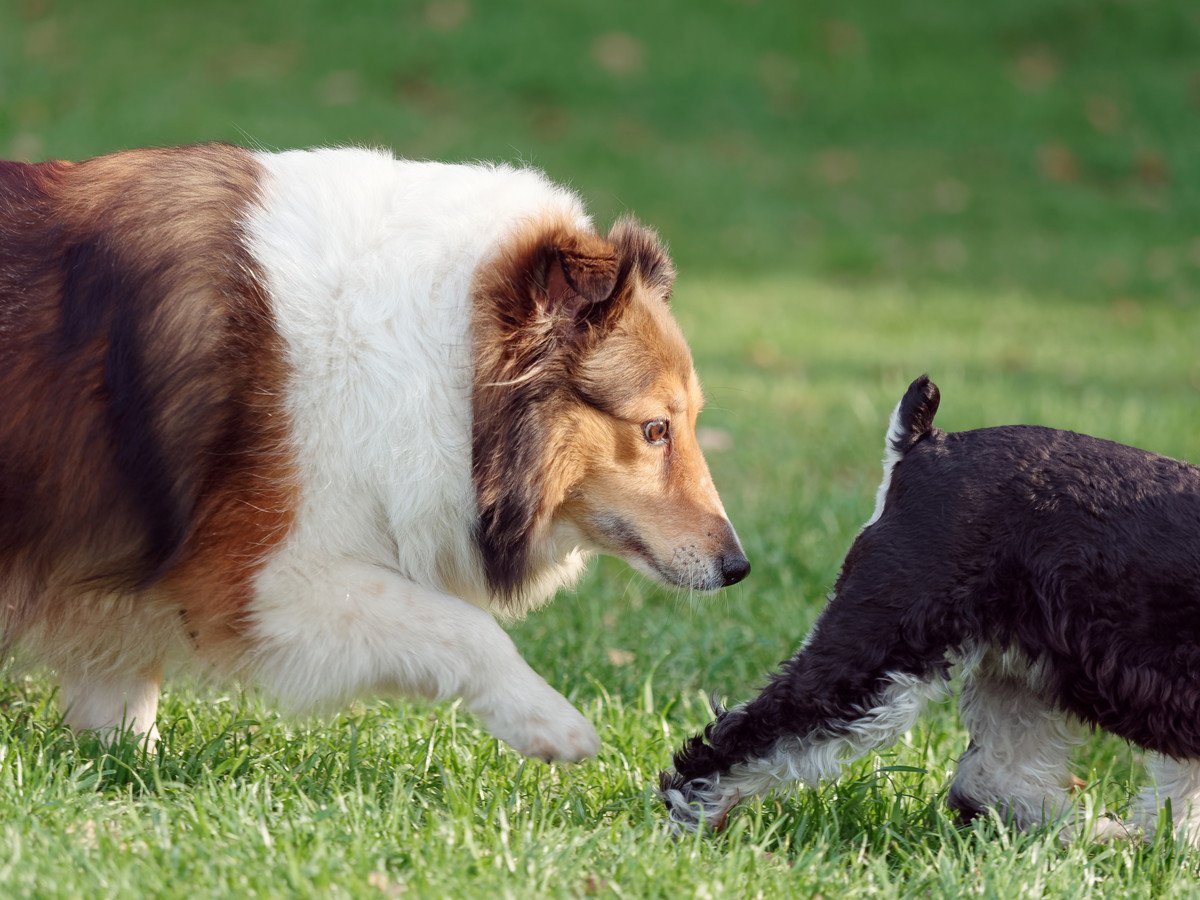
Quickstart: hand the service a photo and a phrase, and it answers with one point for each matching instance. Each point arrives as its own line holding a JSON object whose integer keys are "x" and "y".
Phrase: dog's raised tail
{"x": 913, "y": 418}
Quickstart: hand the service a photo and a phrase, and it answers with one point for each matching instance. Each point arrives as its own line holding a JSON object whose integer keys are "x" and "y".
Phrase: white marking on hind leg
{"x": 810, "y": 760}
{"x": 1020, "y": 748}
{"x": 1176, "y": 781}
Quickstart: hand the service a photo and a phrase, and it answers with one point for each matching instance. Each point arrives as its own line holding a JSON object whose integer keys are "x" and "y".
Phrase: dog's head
{"x": 585, "y": 404}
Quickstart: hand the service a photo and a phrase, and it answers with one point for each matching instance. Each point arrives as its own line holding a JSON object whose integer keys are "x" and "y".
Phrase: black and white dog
{"x": 1061, "y": 571}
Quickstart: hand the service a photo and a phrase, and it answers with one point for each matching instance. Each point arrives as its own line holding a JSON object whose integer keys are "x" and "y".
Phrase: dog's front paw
{"x": 551, "y": 731}
{"x": 1100, "y": 828}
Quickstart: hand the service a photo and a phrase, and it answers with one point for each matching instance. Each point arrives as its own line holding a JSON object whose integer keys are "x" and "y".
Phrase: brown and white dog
{"x": 312, "y": 418}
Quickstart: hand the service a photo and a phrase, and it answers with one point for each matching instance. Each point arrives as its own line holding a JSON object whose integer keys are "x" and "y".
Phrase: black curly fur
{"x": 1082, "y": 554}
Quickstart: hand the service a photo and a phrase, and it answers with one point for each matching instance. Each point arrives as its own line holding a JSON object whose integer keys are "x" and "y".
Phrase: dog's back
{"x": 140, "y": 380}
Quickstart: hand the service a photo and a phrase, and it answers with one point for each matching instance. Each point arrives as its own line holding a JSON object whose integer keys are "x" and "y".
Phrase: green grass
{"x": 1004, "y": 195}
{"x": 238, "y": 800}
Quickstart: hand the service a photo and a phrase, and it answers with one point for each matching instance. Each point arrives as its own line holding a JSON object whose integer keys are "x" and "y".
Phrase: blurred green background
{"x": 1047, "y": 145}
{"x": 1006, "y": 195}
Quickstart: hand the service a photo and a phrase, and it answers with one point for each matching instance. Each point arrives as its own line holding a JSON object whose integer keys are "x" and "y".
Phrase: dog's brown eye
{"x": 657, "y": 431}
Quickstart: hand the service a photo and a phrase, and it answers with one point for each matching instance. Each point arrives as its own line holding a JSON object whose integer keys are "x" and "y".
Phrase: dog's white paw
{"x": 1103, "y": 829}
{"x": 552, "y": 730}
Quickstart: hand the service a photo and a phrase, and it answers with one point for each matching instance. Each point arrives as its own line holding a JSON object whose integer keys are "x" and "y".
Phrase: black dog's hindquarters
{"x": 1061, "y": 571}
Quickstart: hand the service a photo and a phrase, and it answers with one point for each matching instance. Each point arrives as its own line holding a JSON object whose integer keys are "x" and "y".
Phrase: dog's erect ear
{"x": 642, "y": 249}
{"x": 581, "y": 280}
{"x": 561, "y": 286}
{"x": 589, "y": 264}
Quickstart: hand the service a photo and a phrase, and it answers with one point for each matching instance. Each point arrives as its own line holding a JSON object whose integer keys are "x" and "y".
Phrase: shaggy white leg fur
{"x": 110, "y": 703}
{"x": 358, "y": 628}
{"x": 809, "y": 760}
{"x": 1177, "y": 782}
{"x": 1020, "y": 749}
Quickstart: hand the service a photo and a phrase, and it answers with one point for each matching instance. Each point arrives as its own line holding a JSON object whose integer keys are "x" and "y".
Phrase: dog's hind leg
{"x": 1017, "y": 762}
{"x": 1177, "y": 787}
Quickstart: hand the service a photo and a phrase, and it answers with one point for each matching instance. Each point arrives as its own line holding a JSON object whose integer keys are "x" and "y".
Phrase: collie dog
{"x": 313, "y": 419}
{"x": 1060, "y": 571}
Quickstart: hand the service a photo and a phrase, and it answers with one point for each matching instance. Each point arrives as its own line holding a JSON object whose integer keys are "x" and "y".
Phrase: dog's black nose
{"x": 734, "y": 567}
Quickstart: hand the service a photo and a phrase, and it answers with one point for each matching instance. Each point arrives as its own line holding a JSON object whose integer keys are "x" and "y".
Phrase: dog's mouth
{"x": 689, "y": 568}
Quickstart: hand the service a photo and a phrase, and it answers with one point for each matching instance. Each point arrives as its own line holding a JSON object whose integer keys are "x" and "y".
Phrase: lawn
{"x": 1004, "y": 195}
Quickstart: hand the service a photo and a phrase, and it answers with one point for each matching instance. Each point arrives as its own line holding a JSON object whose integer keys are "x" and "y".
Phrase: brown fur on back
{"x": 142, "y": 439}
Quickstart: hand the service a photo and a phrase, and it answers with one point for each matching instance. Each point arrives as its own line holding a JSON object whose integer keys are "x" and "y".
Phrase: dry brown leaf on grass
{"x": 619, "y": 54}
{"x": 620, "y": 657}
